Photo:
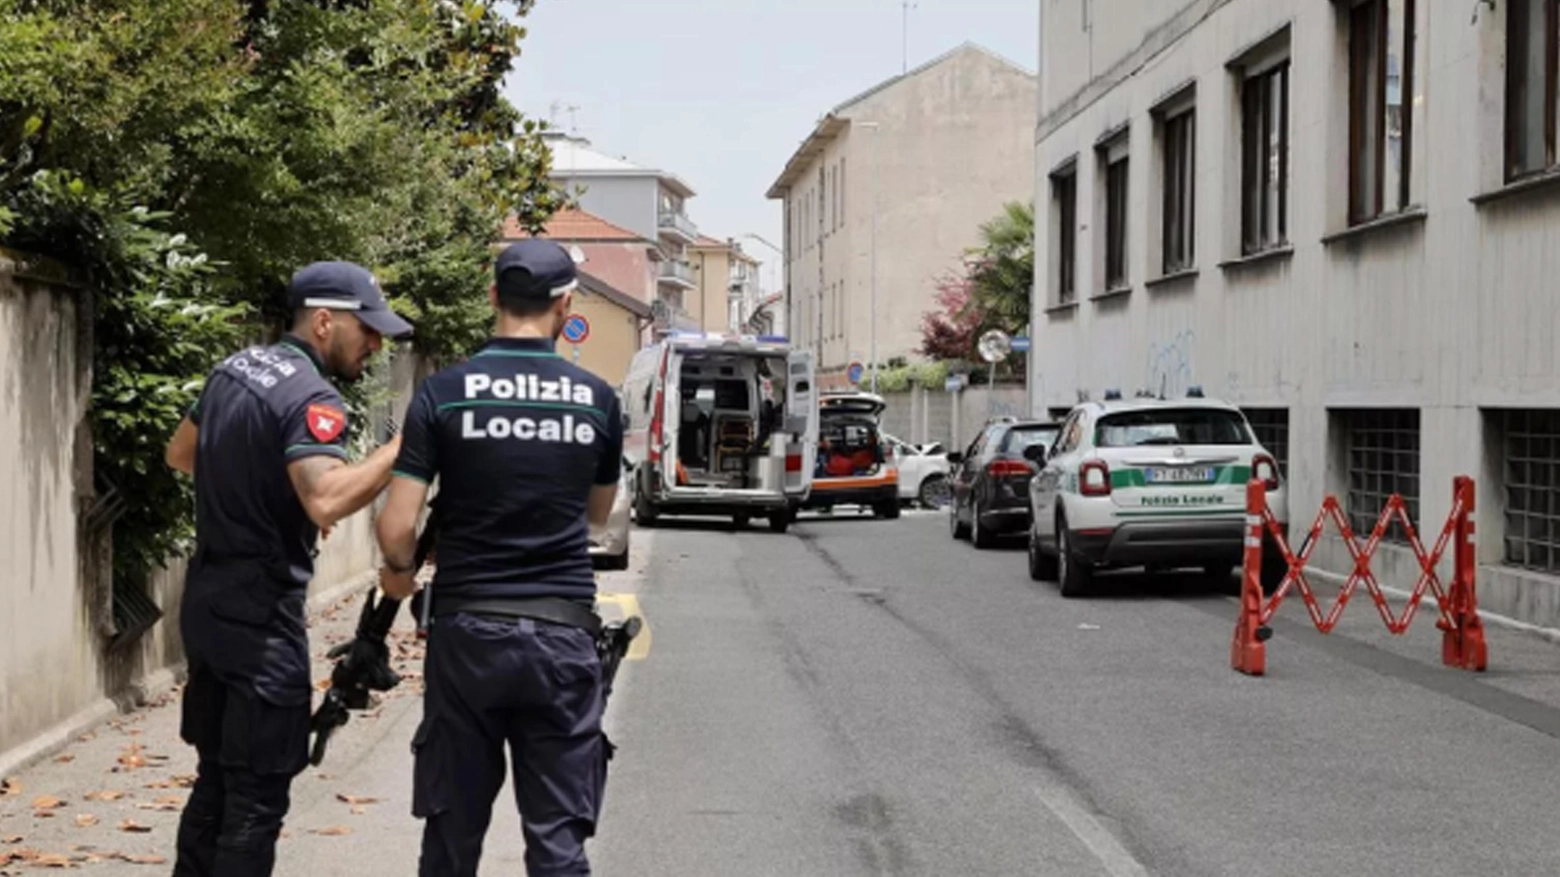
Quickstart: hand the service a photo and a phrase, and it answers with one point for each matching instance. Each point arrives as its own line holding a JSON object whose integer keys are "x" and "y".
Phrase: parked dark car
{"x": 990, "y": 480}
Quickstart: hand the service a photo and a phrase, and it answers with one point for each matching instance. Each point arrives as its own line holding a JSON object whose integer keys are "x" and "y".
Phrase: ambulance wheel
{"x": 644, "y": 511}
{"x": 779, "y": 522}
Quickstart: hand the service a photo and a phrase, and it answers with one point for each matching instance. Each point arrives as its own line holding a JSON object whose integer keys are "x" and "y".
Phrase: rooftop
{"x": 574, "y": 156}
{"x": 573, "y": 225}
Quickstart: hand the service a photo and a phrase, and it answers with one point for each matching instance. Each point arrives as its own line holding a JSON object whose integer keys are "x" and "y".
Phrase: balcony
{"x": 677, "y": 273}
{"x": 677, "y": 225}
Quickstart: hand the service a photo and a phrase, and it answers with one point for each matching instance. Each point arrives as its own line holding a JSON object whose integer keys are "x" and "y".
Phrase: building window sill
{"x": 1542, "y": 181}
{"x": 1172, "y": 277}
{"x": 1061, "y": 308}
{"x": 1412, "y": 215}
{"x": 1112, "y": 293}
{"x": 1272, "y": 254}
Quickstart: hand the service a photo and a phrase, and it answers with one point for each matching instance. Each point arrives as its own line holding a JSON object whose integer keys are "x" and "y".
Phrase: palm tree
{"x": 1002, "y": 269}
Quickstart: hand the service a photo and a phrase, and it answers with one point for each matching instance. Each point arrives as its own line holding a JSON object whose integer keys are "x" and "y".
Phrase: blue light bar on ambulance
{"x": 774, "y": 339}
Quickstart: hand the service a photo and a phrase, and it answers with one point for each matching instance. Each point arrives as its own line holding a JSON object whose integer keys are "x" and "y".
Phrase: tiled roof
{"x": 573, "y": 225}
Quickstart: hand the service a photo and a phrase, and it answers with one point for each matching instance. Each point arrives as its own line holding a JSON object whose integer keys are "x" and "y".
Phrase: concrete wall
{"x": 56, "y": 672}
{"x": 628, "y": 201}
{"x": 1448, "y": 311}
{"x": 921, "y": 415}
{"x": 707, "y": 304}
{"x": 954, "y": 143}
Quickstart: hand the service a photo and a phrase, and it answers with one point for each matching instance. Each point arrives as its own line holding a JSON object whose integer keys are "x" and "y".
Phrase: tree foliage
{"x": 188, "y": 155}
{"x": 949, "y": 332}
{"x": 1002, "y": 269}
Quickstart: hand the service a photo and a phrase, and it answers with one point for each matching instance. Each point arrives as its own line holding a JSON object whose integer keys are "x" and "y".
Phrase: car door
{"x": 968, "y": 469}
{"x": 1046, "y": 484}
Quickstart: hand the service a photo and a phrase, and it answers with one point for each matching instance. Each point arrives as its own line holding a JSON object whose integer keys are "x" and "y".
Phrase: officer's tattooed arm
{"x": 181, "y": 448}
{"x": 331, "y": 489}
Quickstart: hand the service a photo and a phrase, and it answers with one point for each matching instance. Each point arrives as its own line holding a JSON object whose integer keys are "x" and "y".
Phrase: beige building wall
{"x": 1444, "y": 311}
{"x": 707, "y": 304}
{"x": 953, "y": 142}
{"x": 613, "y": 341}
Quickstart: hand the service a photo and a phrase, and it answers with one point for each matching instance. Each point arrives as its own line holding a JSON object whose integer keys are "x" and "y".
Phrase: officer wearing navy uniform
{"x": 266, "y": 443}
{"x": 527, "y": 449}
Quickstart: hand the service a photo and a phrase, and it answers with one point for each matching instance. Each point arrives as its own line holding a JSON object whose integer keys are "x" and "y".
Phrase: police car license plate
{"x": 1179, "y": 475}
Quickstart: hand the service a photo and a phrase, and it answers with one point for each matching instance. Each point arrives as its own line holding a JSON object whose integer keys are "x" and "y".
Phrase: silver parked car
{"x": 609, "y": 544}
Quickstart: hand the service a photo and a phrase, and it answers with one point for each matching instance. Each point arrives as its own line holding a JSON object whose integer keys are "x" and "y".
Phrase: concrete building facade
{"x": 727, "y": 294}
{"x": 937, "y": 150}
{"x": 1339, "y": 215}
{"x": 651, "y": 203}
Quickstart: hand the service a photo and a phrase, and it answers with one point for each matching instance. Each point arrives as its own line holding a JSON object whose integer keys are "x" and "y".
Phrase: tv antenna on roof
{"x": 571, "y": 109}
{"x": 904, "y": 37}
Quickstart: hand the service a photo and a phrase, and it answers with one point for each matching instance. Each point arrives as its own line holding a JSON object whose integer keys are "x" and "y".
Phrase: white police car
{"x": 1148, "y": 482}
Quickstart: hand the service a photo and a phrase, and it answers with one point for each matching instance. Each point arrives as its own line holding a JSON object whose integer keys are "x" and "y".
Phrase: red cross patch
{"x": 325, "y": 423}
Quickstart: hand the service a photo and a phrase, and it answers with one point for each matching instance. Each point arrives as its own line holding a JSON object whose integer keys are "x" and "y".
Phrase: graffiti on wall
{"x": 1169, "y": 370}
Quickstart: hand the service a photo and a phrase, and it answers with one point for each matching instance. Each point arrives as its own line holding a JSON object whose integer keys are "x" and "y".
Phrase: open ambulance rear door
{"x": 801, "y": 424}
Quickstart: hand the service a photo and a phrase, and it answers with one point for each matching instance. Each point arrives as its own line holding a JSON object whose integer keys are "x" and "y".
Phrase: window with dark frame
{"x": 1383, "y": 459}
{"x": 1178, "y": 219}
{"x": 1271, "y": 426}
{"x": 1530, "y": 476}
{"x": 1116, "y": 224}
{"x": 1064, "y": 194}
{"x": 1531, "y": 27}
{"x": 1381, "y": 84}
{"x": 1265, "y": 159}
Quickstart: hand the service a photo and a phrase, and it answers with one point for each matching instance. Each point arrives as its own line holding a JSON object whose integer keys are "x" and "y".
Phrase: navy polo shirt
{"x": 517, "y": 436}
{"x": 262, "y": 408}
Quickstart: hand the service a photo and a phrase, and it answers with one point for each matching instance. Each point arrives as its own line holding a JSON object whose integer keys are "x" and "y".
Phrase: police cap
{"x": 536, "y": 267}
{"x": 345, "y": 286}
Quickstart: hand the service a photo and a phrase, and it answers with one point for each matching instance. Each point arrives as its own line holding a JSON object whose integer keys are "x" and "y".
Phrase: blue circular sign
{"x": 576, "y": 328}
{"x": 854, "y": 371}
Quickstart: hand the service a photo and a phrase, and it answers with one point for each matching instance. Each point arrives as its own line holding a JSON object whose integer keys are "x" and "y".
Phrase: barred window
{"x": 1383, "y": 455}
{"x": 1531, "y": 482}
{"x": 1271, "y": 426}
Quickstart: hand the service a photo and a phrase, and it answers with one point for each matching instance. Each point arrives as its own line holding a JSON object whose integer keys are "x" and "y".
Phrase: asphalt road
{"x": 861, "y": 697}
{"x": 866, "y": 697}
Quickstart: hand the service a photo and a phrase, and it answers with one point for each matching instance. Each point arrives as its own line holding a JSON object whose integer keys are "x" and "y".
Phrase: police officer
{"x": 266, "y": 443}
{"x": 527, "y": 448}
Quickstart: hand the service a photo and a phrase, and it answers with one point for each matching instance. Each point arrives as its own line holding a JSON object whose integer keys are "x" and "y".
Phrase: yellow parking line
{"x": 625, "y": 606}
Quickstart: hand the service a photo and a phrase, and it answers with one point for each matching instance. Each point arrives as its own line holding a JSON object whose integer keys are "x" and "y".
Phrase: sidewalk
{"x": 111, "y": 800}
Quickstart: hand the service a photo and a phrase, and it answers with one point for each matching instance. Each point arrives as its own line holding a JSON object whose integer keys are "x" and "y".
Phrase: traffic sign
{"x": 576, "y": 328}
{"x": 1020, "y": 343}
{"x": 854, "y": 371}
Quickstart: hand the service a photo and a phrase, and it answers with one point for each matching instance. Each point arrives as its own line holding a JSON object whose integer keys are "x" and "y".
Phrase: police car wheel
{"x": 1073, "y": 578}
{"x": 1042, "y": 567}
{"x": 779, "y": 522}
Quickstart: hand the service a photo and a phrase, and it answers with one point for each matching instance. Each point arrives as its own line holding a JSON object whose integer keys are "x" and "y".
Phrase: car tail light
{"x": 793, "y": 463}
{"x": 654, "y": 451}
{"x": 1009, "y": 469}
{"x": 1265, "y": 469}
{"x": 1094, "y": 478}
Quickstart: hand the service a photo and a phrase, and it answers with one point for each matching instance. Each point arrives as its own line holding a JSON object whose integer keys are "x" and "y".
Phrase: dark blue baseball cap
{"x": 536, "y": 267}
{"x": 345, "y": 286}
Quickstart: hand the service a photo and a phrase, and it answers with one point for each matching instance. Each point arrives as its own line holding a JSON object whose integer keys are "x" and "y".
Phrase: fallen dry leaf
{"x": 333, "y": 831}
{"x": 10, "y": 839}
{"x": 131, "y": 825}
{"x": 144, "y": 859}
{"x": 86, "y": 819}
{"x": 47, "y": 802}
{"x": 105, "y": 795}
{"x": 89, "y": 736}
{"x": 356, "y": 799}
{"x": 10, "y": 787}
{"x": 132, "y": 757}
{"x": 64, "y": 759}
{"x": 52, "y": 860}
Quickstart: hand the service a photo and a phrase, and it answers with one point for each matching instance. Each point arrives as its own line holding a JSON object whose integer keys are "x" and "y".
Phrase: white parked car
{"x": 1152, "y": 483}
{"x": 923, "y": 472}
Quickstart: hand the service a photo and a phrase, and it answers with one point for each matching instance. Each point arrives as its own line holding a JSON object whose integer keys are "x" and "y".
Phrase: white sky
{"x": 721, "y": 92}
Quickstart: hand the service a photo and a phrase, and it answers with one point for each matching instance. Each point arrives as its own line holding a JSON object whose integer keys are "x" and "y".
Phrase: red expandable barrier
{"x": 1462, "y": 643}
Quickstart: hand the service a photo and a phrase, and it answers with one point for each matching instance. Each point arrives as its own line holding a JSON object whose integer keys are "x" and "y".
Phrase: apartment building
{"x": 1340, "y": 215}
{"x": 651, "y": 203}
{"x": 727, "y": 293}
{"x": 936, "y": 151}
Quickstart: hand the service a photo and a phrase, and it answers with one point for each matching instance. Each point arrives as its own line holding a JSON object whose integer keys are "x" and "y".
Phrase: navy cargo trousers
{"x": 537, "y": 687}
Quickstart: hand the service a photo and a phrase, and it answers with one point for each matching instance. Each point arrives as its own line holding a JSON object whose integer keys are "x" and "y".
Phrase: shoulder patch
{"x": 325, "y": 422}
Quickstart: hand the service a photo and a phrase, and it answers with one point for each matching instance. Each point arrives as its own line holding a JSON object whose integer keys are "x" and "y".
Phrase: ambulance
{"x": 720, "y": 425}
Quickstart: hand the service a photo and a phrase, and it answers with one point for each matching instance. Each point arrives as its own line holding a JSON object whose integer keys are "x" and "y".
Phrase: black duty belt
{"x": 555, "y": 610}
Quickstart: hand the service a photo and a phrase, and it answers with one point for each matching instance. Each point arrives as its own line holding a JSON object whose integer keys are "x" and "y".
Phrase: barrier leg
{"x": 1248, "y": 651}
{"x": 1462, "y": 645}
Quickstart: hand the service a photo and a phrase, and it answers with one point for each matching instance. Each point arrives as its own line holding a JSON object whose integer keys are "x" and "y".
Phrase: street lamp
{"x": 873, "y": 126}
